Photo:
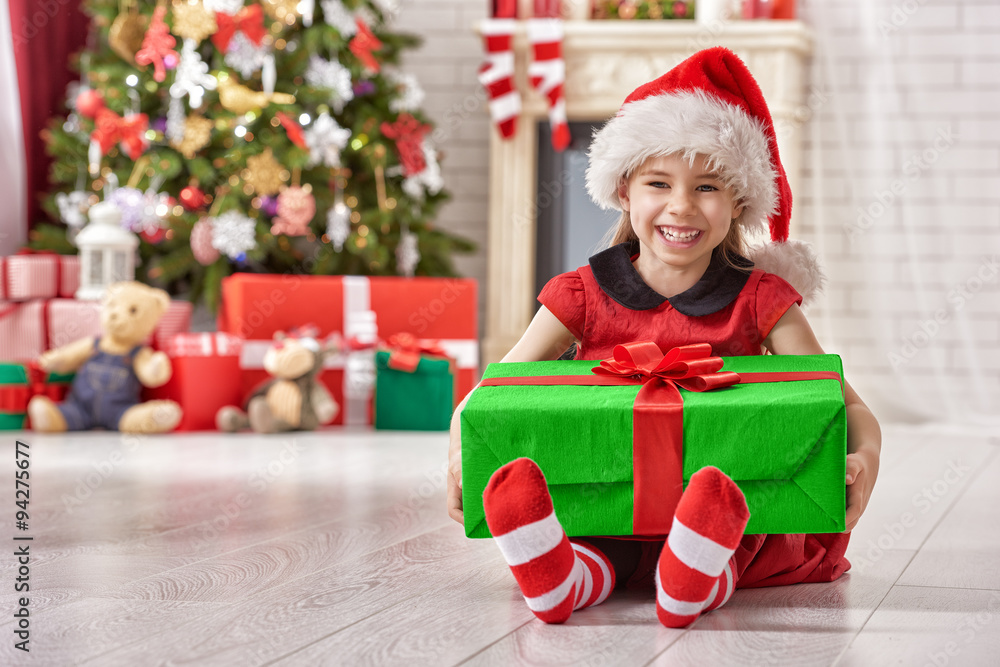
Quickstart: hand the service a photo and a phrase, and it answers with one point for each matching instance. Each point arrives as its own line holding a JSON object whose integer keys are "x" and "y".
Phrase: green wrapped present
{"x": 616, "y": 452}
{"x": 18, "y": 383}
{"x": 414, "y": 388}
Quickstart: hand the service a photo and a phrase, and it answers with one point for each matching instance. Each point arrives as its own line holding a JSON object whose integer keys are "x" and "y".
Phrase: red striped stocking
{"x": 547, "y": 73}
{"x": 556, "y": 576}
{"x": 497, "y": 75}
{"x": 695, "y": 572}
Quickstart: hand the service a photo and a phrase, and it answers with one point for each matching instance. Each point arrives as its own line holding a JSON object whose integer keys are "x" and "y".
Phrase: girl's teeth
{"x": 674, "y": 236}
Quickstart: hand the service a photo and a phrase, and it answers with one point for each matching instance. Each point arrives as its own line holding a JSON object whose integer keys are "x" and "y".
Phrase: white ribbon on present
{"x": 203, "y": 345}
{"x": 359, "y": 367}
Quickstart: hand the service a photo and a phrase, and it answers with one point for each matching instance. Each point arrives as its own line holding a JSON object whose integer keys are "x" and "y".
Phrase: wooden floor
{"x": 334, "y": 548}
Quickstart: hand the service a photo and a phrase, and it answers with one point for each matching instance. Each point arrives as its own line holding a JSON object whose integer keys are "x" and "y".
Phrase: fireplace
{"x": 605, "y": 61}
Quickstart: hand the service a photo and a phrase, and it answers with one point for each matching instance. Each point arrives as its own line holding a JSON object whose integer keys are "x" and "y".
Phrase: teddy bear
{"x": 293, "y": 399}
{"x": 112, "y": 369}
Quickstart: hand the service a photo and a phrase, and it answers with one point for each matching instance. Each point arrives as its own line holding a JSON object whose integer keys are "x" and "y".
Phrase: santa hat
{"x": 709, "y": 104}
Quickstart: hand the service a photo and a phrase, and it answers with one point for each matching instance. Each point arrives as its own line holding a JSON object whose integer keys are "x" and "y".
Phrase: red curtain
{"x": 45, "y": 33}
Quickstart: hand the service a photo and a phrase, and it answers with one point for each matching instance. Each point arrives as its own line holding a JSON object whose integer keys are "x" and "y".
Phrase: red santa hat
{"x": 711, "y": 105}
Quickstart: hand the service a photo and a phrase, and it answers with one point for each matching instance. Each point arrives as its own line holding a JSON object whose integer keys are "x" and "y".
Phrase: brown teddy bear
{"x": 111, "y": 370}
{"x": 293, "y": 399}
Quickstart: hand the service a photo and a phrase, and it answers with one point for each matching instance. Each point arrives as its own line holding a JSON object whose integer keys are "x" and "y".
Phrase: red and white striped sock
{"x": 547, "y": 73}
{"x": 694, "y": 573}
{"x": 556, "y": 576}
{"x": 497, "y": 75}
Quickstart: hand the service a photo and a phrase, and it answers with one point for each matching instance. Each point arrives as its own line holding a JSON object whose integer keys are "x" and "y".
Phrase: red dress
{"x": 607, "y": 303}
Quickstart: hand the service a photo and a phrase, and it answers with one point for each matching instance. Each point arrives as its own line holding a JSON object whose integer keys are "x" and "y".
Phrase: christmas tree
{"x": 270, "y": 137}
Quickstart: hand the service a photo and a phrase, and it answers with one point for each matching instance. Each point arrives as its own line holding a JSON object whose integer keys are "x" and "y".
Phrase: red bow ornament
{"x": 408, "y": 132}
{"x": 362, "y": 45}
{"x": 157, "y": 45}
{"x": 249, "y": 21}
{"x": 406, "y": 350}
{"x": 112, "y": 129}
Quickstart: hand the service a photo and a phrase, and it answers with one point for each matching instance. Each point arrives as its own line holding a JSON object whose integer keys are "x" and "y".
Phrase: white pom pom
{"x": 796, "y": 262}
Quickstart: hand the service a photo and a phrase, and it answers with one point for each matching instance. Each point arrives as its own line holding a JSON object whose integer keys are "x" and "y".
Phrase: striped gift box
{"x": 38, "y": 276}
{"x": 203, "y": 345}
{"x": 22, "y": 330}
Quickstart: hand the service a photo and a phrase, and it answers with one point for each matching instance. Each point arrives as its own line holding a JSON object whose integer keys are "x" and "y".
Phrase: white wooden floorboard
{"x": 335, "y": 548}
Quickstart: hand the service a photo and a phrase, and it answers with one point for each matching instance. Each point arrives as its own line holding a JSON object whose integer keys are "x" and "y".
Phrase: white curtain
{"x": 12, "y": 170}
{"x": 902, "y": 199}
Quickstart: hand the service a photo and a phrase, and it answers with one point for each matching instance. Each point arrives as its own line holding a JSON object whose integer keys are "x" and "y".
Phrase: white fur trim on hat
{"x": 686, "y": 123}
{"x": 796, "y": 262}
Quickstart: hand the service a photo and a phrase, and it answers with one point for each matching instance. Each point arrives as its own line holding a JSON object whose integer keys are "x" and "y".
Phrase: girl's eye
{"x": 659, "y": 184}
{"x": 707, "y": 188}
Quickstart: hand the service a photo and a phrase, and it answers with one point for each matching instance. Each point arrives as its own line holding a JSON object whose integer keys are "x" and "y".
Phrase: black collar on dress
{"x": 720, "y": 285}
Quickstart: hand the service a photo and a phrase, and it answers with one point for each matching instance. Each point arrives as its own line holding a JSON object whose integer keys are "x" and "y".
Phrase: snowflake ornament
{"x": 223, "y": 6}
{"x": 325, "y": 140}
{"x": 407, "y": 254}
{"x": 132, "y": 203}
{"x": 411, "y": 95}
{"x": 73, "y": 207}
{"x": 338, "y": 224}
{"x": 340, "y": 17}
{"x": 244, "y": 56}
{"x": 427, "y": 181}
{"x": 233, "y": 234}
{"x": 333, "y": 76}
{"x": 192, "y": 77}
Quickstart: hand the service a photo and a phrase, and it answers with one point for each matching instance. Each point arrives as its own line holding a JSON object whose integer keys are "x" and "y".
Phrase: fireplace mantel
{"x": 605, "y": 61}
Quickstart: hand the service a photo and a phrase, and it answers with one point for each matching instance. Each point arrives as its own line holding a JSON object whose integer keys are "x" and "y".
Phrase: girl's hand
{"x": 861, "y": 474}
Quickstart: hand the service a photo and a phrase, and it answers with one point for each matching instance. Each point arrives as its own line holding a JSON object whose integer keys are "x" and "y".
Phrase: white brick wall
{"x": 934, "y": 64}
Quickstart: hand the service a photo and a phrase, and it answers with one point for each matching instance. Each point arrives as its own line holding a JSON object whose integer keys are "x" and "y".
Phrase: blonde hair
{"x": 734, "y": 245}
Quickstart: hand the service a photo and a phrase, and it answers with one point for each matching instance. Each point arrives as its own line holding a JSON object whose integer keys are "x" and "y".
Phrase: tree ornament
{"x": 293, "y": 129}
{"x": 333, "y": 76}
{"x": 363, "y": 44}
{"x": 192, "y": 198}
{"x": 308, "y": 10}
{"x": 427, "y": 181}
{"x": 341, "y": 18}
{"x": 281, "y": 9}
{"x": 326, "y": 139}
{"x": 111, "y": 129}
{"x": 192, "y": 21}
{"x": 296, "y": 208}
{"x": 127, "y": 32}
{"x": 269, "y": 205}
{"x": 263, "y": 173}
{"x": 233, "y": 234}
{"x": 407, "y": 253}
{"x": 154, "y": 235}
{"x": 411, "y": 95}
{"x": 89, "y": 102}
{"x": 73, "y": 207}
{"x": 338, "y": 223}
{"x": 223, "y": 6}
{"x": 132, "y": 203}
{"x": 201, "y": 243}
{"x": 246, "y": 57}
{"x": 157, "y": 44}
{"x": 249, "y": 21}
{"x": 197, "y": 133}
{"x": 192, "y": 77}
{"x": 408, "y": 133}
{"x": 240, "y": 99}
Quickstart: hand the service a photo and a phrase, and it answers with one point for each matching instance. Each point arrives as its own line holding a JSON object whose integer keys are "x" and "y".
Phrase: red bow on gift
{"x": 409, "y": 135}
{"x": 15, "y": 398}
{"x": 362, "y": 45}
{"x": 129, "y": 131}
{"x": 249, "y": 21}
{"x": 405, "y": 350}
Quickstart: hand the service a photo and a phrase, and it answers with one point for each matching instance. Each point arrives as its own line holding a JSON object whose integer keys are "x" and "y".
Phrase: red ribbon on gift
{"x": 657, "y": 423}
{"x": 14, "y": 398}
{"x": 249, "y": 21}
{"x": 406, "y": 350}
{"x": 110, "y": 129}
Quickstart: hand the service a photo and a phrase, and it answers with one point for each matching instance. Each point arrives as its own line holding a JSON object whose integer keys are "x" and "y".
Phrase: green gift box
{"x": 783, "y": 442}
{"x": 421, "y": 400}
{"x": 18, "y": 383}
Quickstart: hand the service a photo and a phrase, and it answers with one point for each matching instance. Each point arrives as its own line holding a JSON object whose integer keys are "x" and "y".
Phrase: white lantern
{"x": 107, "y": 252}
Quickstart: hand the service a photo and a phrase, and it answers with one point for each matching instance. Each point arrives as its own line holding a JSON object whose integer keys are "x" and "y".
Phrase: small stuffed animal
{"x": 294, "y": 399}
{"x": 111, "y": 370}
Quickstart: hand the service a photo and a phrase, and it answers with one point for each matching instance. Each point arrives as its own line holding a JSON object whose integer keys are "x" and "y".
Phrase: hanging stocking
{"x": 497, "y": 71}
{"x": 547, "y": 73}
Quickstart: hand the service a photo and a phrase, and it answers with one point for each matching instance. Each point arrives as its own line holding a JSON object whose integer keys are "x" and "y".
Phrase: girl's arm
{"x": 793, "y": 335}
{"x": 545, "y": 338}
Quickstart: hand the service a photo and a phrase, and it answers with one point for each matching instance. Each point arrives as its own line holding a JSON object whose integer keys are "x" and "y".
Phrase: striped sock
{"x": 497, "y": 75}
{"x": 547, "y": 73}
{"x": 695, "y": 572}
{"x": 556, "y": 576}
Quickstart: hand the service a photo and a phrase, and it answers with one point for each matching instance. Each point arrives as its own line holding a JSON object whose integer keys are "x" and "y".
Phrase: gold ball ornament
{"x": 263, "y": 173}
{"x": 239, "y": 99}
{"x": 192, "y": 20}
{"x": 126, "y": 34}
{"x": 197, "y": 133}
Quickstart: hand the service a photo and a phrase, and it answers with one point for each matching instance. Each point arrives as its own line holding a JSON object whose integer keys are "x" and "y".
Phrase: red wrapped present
{"x": 255, "y": 306}
{"x": 31, "y": 275}
{"x": 18, "y": 384}
{"x": 206, "y": 377}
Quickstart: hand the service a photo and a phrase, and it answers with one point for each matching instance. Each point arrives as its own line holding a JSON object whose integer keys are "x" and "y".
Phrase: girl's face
{"x": 680, "y": 211}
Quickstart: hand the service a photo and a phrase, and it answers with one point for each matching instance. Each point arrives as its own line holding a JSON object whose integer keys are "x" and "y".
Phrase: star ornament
{"x": 263, "y": 173}
{"x": 192, "y": 20}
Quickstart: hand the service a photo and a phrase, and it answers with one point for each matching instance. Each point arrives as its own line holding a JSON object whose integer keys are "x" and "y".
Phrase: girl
{"x": 691, "y": 160}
